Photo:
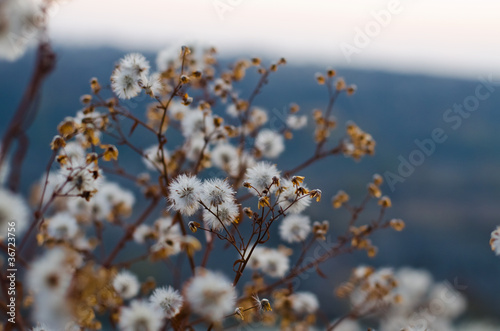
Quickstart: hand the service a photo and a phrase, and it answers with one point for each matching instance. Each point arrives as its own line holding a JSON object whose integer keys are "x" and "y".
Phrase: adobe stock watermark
{"x": 363, "y": 36}
{"x": 222, "y": 7}
{"x": 454, "y": 118}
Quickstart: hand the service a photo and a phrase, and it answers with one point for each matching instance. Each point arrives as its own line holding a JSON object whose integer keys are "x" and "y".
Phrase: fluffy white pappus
{"x": 54, "y": 182}
{"x": 223, "y": 155}
{"x": 217, "y": 191}
{"x": 295, "y": 122}
{"x": 115, "y": 195}
{"x": 153, "y": 160}
{"x": 194, "y": 146}
{"x": 295, "y": 228}
{"x": 413, "y": 286}
{"x": 348, "y": 325}
{"x": 152, "y": 84}
{"x": 21, "y": 21}
{"x": 41, "y": 327}
{"x": 140, "y": 315}
{"x": 177, "y": 109}
{"x": 172, "y": 55}
{"x": 93, "y": 120}
{"x": 220, "y": 87}
{"x": 258, "y": 116}
{"x": 271, "y": 144}
{"x": 495, "y": 241}
{"x": 289, "y": 200}
{"x": 225, "y": 213}
{"x": 62, "y": 226}
{"x": 184, "y": 193}
{"x": 196, "y": 122}
{"x": 168, "y": 300}
{"x": 168, "y": 57}
{"x": 169, "y": 236}
{"x": 74, "y": 152}
{"x": 126, "y": 284}
{"x": 232, "y": 111}
{"x": 81, "y": 179}
{"x": 452, "y": 303}
{"x": 125, "y": 84}
{"x": 273, "y": 262}
{"x": 304, "y": 303}
{"x": 13, "y": 209}
{"x": 140, "y": 233}
{"x": 165, "y": 227}
{"x": 51, "y": 274}
{"x": 210, "y": 295}
{"x": 86, "y": 211}
{"x": 135, "y": 63}
{"x": 261, "y": 177}
{"x": 240, "y": 164}
{"x": 381, "y": 278}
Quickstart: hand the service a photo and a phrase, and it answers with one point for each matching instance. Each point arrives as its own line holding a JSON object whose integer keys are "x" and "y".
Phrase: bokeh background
{"x": 412, "y": 61}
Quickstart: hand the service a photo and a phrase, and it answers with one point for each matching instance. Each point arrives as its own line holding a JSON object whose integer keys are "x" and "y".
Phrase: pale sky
{"x": 441, "y": 37}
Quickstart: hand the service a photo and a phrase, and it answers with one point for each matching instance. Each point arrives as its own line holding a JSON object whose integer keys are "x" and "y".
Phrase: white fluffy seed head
{"x": 304, "y": 303}
{"x": 270, "y": 144}
{"x": 126, "y": 284}
{"x": 224, "y": 213}
{"x": 290, "y": 201}
{"x": 168, "y": 300}
{"x": 295, "y": 228}
{"x": 217, "y": 191}
{"x": 211, "y": 295}
{"x": 184, "y": 193}
{"x": 261, "y": 177}
{"x": 273, "y": 262}
{"x": 13, "y": 209}
{"x": 140, "y": 315}
{"x": 62, "y": 226}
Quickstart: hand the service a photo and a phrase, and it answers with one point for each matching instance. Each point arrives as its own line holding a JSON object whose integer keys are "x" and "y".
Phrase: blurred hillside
{"x": 450, "y": 202}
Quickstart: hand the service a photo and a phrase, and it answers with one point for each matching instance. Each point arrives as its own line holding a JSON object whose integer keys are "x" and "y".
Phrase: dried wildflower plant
{"x": 185, "y": 212}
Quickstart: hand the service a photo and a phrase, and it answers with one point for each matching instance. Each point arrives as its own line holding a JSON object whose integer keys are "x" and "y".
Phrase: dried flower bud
{"x": 256, "y": 61}
{"x": 340, "y": 84}
{"x": 185, "y": 79}
{"x": 264, "y": 202}
{"x": 196, "y": 74}
{"x": 248, "y": 211}
{"x": 57, "y": 142}
{"x": 374, "y": 190}
{"x": 339, "y": 199}
{"x": 265, "y": 305}
{"x": 315, "y": 194}
{"x": 86, "y": 98}
{"x": 320, "y": 79}
{"x": 297, "y": 180}
{"x": 91, "y": 157}
{"x": 294, "y": 108}
{"x": 351, "y": 89}
{"x": 193, "y": 226}
{"x": 218, "y": 121}
{"x": 276, "y": 181}
{"x": 110, "y": 152}
{"x": 330, "y": 73}
{"x": 239, "y": 312}
{"x": 94, "y": 85}
{"x": 377, "y": 179}
{"x": 385, "y": 202}
{"x": 397, "y": 224}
